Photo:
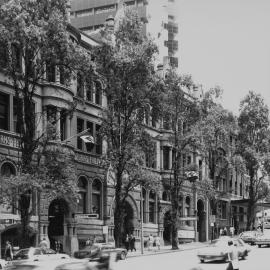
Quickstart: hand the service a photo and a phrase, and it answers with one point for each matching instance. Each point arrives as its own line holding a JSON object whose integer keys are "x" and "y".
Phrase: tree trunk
{"x": 174, "y": 220}
{"x": 250, "y": 215}
{"x": 24, "y": 205}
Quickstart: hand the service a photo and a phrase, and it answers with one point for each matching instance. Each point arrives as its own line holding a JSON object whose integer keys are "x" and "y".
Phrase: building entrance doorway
{"x": 201, "y": 221}
{"x": 58, "y": 209}
{"x": 128, "y": 227}
{"x": 167, "y": 224}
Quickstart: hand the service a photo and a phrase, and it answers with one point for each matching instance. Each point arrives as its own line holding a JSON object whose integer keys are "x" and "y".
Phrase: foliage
{"x": 127, "y": 68}
{"x": 180, "y": 113}
{"x": 53, "y": 175}
{"x": 35, "y": 42}
{"x": 254, "y": 147}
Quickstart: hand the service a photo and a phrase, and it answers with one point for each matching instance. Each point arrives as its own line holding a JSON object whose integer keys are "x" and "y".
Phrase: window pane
{"x": 96, "y": 203}
{"x": 4, "y": 108}
{"x": 98, "y": 141}
{"x": 90, "y": 127}
{"x": 80, "y": 124}
{"x": 82, "y": 203}
{"x": 152, "y": 212}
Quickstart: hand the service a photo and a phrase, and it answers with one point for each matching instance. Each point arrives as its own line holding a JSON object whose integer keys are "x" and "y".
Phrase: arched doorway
{"x": 128, "y": 227}
{"x": 201, "y": 221}
{"x": 167, "y": 224}
{"x": 58, "y": 209}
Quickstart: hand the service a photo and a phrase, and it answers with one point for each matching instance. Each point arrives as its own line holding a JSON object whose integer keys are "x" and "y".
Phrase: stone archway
{"x": 201, "y": 222}
{"x": 57, "y": 212}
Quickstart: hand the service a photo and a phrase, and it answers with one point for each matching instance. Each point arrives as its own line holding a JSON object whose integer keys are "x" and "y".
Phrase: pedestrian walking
{"x": 132, "y": 242}
{"x": 220, "y": 232}
{"x": 233, "y": 257}
{"x": 232, "y": 231}
{"x": 43, "y": 244}
{"x": 157, "y": 241}
{"x": 127, "y": 242}
{"x": 88, "y": 242}
{"x": 8, "y": 252}
{"x": 150, "y": 242}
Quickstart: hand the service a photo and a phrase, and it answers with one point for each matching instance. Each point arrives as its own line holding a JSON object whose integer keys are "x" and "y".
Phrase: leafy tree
{"x": 218, "y": 128}
{"x": 126, "y": 62}
{"x": 180, "y": 114}
{"x": 254, "y": 147}
{"x": 34, "y": 41}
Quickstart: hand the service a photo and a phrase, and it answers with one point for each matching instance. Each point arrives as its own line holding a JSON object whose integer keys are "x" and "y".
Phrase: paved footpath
{"x": 167, "y": 249}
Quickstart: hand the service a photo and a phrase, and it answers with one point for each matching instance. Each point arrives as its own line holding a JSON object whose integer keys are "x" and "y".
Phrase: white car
{"x": 33, "y": 254}
{"x": 4, "y": 263}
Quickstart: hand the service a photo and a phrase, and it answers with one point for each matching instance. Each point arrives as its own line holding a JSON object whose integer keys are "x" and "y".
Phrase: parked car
{"x": 4, "y": 263}
{"x": 36, "y": 254}
{"x": 263, "y": 239}
{"x": 250, "y": 237}
{"x": 94, "y": 251}
{"x": 218, "y": 250}
{"x": 104, "y": 262}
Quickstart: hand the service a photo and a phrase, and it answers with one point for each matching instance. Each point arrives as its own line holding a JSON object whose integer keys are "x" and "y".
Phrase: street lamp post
{"x": 141, "y": 223}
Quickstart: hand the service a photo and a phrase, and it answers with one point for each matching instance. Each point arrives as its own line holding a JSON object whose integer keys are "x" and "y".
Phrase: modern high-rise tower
{"x": 159, "y": 16}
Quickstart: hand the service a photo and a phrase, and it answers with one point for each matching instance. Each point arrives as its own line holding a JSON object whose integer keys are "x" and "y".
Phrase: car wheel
{"x": 123, "y": 255}
{"x": 202, "y": 260}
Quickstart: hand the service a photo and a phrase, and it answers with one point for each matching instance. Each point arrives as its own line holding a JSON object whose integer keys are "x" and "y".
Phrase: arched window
{"x": 152, "y": 203}
{"x": 180, "y": 205}
{"x": 82, "y": 185}
{"x": 7, "y": 170}
{"x": 96, "y": 197}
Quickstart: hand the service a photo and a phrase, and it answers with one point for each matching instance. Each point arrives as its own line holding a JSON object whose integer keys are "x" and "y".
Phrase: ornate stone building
{"x": 93, "y": 216}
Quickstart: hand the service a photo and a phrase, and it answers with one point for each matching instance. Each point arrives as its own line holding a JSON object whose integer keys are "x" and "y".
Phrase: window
{"x": 89, "y": 93}
{"x": 241, "y": 189}
{"x": 63, "y": 116}
{"x": 98, "y": 141}
{"x": 51, "y": 72}
{"x": 16, "y": 127}
{"x": 166, "y": 161}
{"x": 82, "y": 185}
{"x": 96, "y": 197}
{"x": 8, "y": 170}
{"x": 80, "y": 128}
{"x": 80, "y": 86}
{"x": 187, "y": 209}
{"x": 200, "y": 170}
{"x": 83, "y": 13}
{"x": 4, "y": 111}
{"x": 235, "y": 188}
{"x": 98, "y": 93}
{"x": 164, "y": 196}
{"x": 90, "y": 127}
{"x": 104, "y": 9}
{"x": 152, "y": 202}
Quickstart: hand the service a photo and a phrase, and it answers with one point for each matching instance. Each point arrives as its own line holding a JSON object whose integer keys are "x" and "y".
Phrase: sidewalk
{"x": 167, "y": 249}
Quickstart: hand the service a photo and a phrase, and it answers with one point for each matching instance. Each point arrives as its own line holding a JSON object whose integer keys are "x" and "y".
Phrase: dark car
{"x": 93, "y": 252}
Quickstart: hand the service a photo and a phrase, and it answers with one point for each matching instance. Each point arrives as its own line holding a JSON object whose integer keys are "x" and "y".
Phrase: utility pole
{"x": 142, "y": 243}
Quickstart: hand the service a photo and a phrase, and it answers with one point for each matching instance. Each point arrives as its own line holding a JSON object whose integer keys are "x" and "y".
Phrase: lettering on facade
{"x": 9, "y": 141}
{"x": 88, "y": 159}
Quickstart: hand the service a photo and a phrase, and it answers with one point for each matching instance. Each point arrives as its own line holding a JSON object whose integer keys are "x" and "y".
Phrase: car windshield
{"x": 23, "y": 253}
{"x": 220, "y": 242}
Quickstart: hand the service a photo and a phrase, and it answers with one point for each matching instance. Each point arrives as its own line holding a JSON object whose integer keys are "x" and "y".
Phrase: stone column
{"x": 44, "y": 118}
{"x": 43, "y": 231}
{"x": 195, "y": 211}
{"x": 146, "y": 210}
{"x": 161, "y": 157}
{"x": 68, "y": 125}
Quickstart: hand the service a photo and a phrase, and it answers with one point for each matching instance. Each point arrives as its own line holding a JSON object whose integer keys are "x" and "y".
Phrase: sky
{"x": 226, "y": 43}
